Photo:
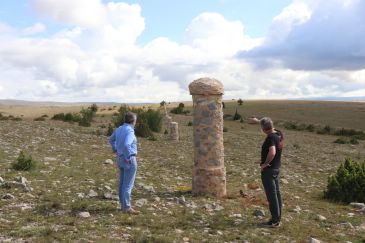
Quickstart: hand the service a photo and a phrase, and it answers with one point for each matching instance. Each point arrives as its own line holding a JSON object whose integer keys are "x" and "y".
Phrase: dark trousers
{"x": 270, "y": 181}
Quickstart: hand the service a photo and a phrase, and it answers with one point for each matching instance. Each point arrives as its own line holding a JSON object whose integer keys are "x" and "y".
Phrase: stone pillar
{"x": 174, "y": 131}
{"x": 209, "y": 173}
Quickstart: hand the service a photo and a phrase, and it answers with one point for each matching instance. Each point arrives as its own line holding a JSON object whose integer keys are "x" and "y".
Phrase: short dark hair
{"x": 130, "y": 117}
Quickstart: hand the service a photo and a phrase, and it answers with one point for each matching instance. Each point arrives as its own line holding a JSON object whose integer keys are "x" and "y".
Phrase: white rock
{"x": 141, "y": 202}
{"x": 109, "y": 162}
{"x": 80, "y": 195}
{"x": 92, "y": 193}
{"x": 346, "y": 225}
{"x": 321, "y": 217}
{"x": 1, "y": 180}
{"x": 8, "y": 196}
{"x": 84, "y": 214}
{"x": 157, "y": 199}
{"x": 313, "y": 240}
{"x": 284, "y": 181}
{"x": 148, "y": 189}
{"x": 179, "y": 231}
{"x": 21, "y": 179}
{"x": 357, "y": 205}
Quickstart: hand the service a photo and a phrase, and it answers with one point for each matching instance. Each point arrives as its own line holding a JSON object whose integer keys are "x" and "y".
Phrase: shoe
{"x": 131, "y": 211}
{"x": 272, "y": 224}
{"x": 275, "y": 225}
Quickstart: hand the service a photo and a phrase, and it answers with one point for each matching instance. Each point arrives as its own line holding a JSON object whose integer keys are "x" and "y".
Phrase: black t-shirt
{"x": 272, "y": 139}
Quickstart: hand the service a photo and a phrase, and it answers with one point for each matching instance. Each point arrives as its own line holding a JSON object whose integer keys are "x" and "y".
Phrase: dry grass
{"x": 71, "y": 162}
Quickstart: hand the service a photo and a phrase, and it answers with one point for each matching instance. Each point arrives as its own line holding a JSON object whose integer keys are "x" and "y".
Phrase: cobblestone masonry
{"x": 209, "y": 173}
{"x": 174, "y": 131}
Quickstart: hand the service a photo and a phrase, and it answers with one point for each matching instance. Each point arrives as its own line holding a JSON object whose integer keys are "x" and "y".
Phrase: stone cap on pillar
{"x": 206, "y": 86}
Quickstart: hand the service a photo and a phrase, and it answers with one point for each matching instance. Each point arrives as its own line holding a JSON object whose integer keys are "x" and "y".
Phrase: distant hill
{"x": 51, "y": 103}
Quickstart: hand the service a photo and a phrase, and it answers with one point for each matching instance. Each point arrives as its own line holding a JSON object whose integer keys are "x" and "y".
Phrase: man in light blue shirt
{"x": 124, "y": 144}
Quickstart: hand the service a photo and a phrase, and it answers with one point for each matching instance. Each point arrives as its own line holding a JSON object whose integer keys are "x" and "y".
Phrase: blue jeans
{"x": 127, "y": 174}
{"x": 270, "y": 181}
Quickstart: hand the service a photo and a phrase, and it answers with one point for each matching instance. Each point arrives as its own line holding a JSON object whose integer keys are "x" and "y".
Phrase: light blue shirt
{"x": 123, "y": 141}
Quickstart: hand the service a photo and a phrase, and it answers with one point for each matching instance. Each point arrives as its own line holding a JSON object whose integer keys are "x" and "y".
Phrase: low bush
{"x": 147, "y": 121}
{"x": 41, "y": 118}
{"x": 190, "y": 123}
{"x": 341, "y": 141}
{"x": 237, "y": 116}
{"x": 348, "y": 184}
{"x": 24, "y": 162}
{"x": 225, "y": 129}
{"x": 179, "y": 109}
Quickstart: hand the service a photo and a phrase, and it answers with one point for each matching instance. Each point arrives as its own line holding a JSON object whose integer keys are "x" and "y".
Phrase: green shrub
{"x": 59, "y": 116}
{"x": 179, "y": 109}
{"x": 341, "y": 141}
{"x": 24, "y": 162}
{"x": 348, "y": 184}
{"x": 354, "y": 141}
{"x": 94, "y": 108}
{"x": 240, "y": 101}
{"x": 39, "y": 119}
{"x": 147, "y": 121}
{"x": 190, "y": 123}
{"x": 110, "y": 130}
{"x": 237, "y": 116}
{"x": 86, "y": 117}
{"x": 225, "y": 129}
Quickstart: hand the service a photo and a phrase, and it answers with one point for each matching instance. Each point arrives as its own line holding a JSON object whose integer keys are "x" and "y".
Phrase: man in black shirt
{"x": 270, "y": 169}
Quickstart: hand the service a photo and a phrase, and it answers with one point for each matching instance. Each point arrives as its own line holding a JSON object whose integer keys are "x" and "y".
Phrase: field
{"x": 74, "y": 176}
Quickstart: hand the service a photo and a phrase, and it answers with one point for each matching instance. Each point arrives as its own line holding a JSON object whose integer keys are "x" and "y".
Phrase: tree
{"x": 162, "y": 103}
{"x": 240, "y": 101}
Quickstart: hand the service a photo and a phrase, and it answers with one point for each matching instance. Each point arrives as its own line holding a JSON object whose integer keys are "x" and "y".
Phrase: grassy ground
{"x": 71, "y": 161}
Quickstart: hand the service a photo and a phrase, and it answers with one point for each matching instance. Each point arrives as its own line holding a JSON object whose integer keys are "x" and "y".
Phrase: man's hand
{"x": 264, "y": 165}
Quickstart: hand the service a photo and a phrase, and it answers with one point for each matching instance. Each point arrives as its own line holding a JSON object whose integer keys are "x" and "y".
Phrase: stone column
{"x": 174, "y": 131}
{"x": 209, "y": 173}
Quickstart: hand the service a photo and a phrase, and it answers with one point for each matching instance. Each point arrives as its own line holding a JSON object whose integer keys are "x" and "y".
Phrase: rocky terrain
{"x": 72, "y": 194}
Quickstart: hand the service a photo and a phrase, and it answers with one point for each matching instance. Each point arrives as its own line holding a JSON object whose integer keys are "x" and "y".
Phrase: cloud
{"x": 34, "y": 29}
{"x": 315, "y": 35}
{"x": 97, "y": 59}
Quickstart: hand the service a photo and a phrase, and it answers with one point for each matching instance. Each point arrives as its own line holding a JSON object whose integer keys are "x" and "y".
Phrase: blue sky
{"x": 148, "y": 51}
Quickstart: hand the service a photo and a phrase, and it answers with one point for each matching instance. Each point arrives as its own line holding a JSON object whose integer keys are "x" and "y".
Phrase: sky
{"x": 149, "y": 51}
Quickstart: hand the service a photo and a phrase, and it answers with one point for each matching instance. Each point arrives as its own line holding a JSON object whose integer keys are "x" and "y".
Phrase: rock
{"x": 259, "y": 213}
{"x": 92, "y": 193}
{"x": 157, "y": 199}
{"x": 110, "y": 196}
{"x": 8, "y": 196}
{"x": 346, "y": 225}
{"x": 186, "y": 239}
{"x": 313, "y": 240}
{"x": 84, "y": 214}
{"x": 80, "y": 195}
{"x": 361, "y": 227}
{"x": 149, "y": 189}
{"x": 1, "y": 180}
{"x": 321, "y": 217}
{"x": 181, "y": 200}
{"x": 49, "y": 159}
{"x": 284, "y": 181}
{"x": 141, "y": 202}
{"x": 21, "y": 179}
{"x": 179, "y": 231}
{"x": 357, "y": 205}
{"x": 108, "y": 162}
{"x": 108, "y": 188}
{"x": 297, "y": 209}
{"x": 235, "y": 215}
{"x": 350, "y": 215}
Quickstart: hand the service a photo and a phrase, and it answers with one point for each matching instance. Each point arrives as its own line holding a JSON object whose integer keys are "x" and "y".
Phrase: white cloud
{"x": 97, "y": 59}
{"x": 34, "y": 29}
